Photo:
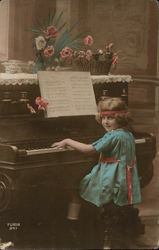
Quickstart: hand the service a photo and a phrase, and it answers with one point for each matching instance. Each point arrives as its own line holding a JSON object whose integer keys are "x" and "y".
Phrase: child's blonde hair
{"x": 115, "y": 104}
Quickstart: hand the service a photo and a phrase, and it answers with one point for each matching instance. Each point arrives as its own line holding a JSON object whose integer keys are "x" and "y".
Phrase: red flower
{"x": 49, "y": 51}
{"x": 66, "y": 52}
{"x": 114, "y": 58}
{"x": 32, "y": 110}
{"x": 109, "y": 47}
{"x": 38, "y": 100}
{"x": 88, "y": 40}
{"x": 41, "y": 107}
{"x": 51, "y": 31}
{"x": 42, "y": 104}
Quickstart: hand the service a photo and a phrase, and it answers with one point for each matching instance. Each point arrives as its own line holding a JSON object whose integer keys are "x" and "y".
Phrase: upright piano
{"x": 37, "y": 178}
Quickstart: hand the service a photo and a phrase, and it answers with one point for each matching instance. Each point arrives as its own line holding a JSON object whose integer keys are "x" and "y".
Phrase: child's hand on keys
{"x": 5, "y": 245}
{"x": 59, "y": 145}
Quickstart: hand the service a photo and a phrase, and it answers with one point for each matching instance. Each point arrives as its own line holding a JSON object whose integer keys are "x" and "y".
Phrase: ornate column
{"x": 4, "y": 24}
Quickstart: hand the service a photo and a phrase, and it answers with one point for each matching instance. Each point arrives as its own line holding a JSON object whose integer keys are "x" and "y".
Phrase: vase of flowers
{"x": 53, "y": 43}
{"x": 55, "y": 46}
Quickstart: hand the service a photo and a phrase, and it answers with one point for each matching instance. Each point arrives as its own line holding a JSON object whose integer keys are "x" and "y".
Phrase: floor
{"x": 149, "y": 212}
{"x": 150, "y": 240}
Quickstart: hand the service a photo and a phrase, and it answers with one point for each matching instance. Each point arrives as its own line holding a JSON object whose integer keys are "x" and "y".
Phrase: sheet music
{"x": 68, "y": 93}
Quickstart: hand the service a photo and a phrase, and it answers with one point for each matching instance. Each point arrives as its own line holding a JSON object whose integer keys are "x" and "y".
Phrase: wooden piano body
{"x": 38, "y": 179}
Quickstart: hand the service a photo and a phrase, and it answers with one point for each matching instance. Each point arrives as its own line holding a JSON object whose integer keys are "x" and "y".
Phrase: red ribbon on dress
{"x": 109, "y": 160}
{"x": 128, "y": 175}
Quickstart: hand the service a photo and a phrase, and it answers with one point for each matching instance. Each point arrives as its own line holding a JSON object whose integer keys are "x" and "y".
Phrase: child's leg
{"x": 72, "y": 221}
{"x": 74, "y": 207}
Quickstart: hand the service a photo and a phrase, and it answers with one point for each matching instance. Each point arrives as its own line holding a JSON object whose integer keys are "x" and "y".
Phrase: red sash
{"x": 128, "y": 173}
{"x": 109, "y": 160}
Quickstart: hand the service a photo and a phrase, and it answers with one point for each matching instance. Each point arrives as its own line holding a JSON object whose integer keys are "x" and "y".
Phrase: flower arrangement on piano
{"x": 98, "y": 62}
{"x": 53, "y": 43}
{"x": 41, "y": 105}
{"x": 56, "y": 46}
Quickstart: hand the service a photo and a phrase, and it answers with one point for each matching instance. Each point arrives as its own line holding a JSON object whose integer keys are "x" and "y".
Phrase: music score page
{"x": 69, "y": 93}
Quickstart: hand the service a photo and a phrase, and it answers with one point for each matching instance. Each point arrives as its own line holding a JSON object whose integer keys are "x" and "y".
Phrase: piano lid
{"x": 25, "y": 78}
{"x": 20, "y": 78}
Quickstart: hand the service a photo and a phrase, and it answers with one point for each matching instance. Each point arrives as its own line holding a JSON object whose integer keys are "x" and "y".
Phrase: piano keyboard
{"x": 54, "y": 150}
{"x": 46, "y": 150}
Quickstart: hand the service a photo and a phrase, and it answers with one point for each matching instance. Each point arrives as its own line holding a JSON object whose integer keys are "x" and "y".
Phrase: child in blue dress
{"x": 115, "y": 177}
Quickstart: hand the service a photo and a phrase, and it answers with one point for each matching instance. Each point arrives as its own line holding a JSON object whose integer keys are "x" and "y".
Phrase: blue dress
{"x": 115, "y": 177}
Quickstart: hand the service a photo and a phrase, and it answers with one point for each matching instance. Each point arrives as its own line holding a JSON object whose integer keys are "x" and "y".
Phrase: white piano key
{"x": 141, "y": 140}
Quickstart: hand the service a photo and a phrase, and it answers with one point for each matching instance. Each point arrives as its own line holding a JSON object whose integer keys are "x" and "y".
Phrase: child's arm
{"x": 82, "y": 147}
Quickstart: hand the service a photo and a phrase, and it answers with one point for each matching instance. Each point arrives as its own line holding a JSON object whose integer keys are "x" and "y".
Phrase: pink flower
{"x": 114, "y": 58}
{"x": 49, "y": 51}
{"x": 32, "y": 110}
{"x": 42, "y": 104}
{"x": 66, "y": 52}
{"x": 88, "y": 54}
{"x": 38, "y": 100}
{"x": 51, "y": 31}
{"x": 88, "y": 40}
{"x": 41, "y": 107}
{"x": 109, "y": 47}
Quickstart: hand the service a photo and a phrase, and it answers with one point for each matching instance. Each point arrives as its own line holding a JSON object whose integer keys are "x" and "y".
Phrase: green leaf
{"x": 61, "y": 27}
{"x": 52, "y": 17}
{"x": 49, "y": 18}
{"x": 50, "y": 60}
{"x": 39, "y": 24}
{"x": 36, "y": 68}
{"x": 39, "y": 32}
{"x": 51, "y": 41}
{"x": 78, "y": 36}
{"x": 44, "y": 22}
{"x": 74, "y": 26}
{"x": 75, "y": 46}
{"x": 62, "y": 42}
{"x": 66, "y": 40}
{"x": 58, "y": 19}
